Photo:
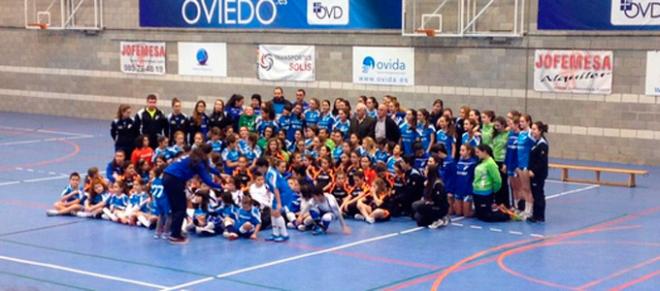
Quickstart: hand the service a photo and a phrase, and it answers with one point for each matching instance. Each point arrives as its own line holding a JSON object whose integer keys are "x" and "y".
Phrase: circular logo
{"x": 266, "y": 62}
{"x": 202, "y": 57}
{"x": 368, "y": 63}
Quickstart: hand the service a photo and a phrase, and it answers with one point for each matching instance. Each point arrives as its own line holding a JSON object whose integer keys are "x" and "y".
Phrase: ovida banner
{"x": 286, "y": 63}
{"x": 599, "y": 15}
{"x": 653, "y": 73}
{"x": 272, "y": 14}
{"x": 384, "y": 66}
{"x": 566, "y": 71}
{"x": 203, "y": 59}
{"x": 146, "y": 58}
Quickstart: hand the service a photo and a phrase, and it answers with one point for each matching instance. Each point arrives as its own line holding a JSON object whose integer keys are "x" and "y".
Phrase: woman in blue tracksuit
{"x": 174, "y": 181}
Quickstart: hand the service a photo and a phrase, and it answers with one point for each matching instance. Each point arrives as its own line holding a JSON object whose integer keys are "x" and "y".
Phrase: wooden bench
{"x": 598, "y": 170}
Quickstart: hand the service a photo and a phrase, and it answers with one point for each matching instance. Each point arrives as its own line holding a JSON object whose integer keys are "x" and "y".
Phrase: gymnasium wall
{"x": 74, "y": 74}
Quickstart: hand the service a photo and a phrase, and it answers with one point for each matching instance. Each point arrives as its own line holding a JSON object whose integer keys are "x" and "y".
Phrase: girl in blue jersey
{"x": 381, "y": 155}
{"x": 115, "y": 169}
{"x": 251, "y": 151}
{"x": 116, "y": 205}
{"x": 326, "y": 120}
{"x": 255, "y": 103}
{"x": 71, "y": 198}
{"x": 234, "y": 109}
{"x": 276, "y": 184}
{"x": 230, "y": 155}
{"x": 312, "y": 114}
{"x": 95, "y": 200}
{"x": 425, "y": 129}
{"x": 525, "y": 144}
{"x": 372, "y": 107}
{"x": 446, "y": 134}
{"x": 162, "y": 150}
{"x": 160, "y": 203}
{"x": 396, "y": 156}
{"x": 470, "y": 136}
{"x": 399, "y": 116}
{"x": 199, "y": 121}
{"x": 462, "y": 198}
{"x": 511, "y": 156}
{"x": 343, "y": 124}
{"x": 284, "y": 120}
{"x": 215, "y": 142}
{"x": 267, "y": 119}
{"x": 297, "y": 121}
{"x": 409, "y": 134}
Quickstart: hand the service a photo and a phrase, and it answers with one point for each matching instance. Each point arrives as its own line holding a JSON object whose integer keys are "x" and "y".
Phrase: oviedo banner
{"x": 272, "y": 14}
{"x": 146, "y": 58}
{"x": 286, "y": 63}
{"x": 588, "y": 72}
{"x": 602, "y": 14}
{"x": 653, "y": 73}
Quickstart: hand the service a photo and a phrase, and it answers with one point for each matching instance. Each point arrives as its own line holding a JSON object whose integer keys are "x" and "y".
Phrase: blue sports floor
{"x": 595, "y": 238}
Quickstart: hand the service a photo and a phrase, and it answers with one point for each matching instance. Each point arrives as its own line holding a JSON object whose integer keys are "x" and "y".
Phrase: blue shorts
{"x": 162, "y": 207}
{"x": 463, "y": 197}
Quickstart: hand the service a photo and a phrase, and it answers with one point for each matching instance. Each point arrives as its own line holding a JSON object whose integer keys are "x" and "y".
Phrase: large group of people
{"x": 303, "y": 164}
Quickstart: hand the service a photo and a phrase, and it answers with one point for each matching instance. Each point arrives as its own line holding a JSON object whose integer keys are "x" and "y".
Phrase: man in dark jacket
{"x": 385, "y": 127}
{"x": 151, "y": 121}
{"x": 362, "y": 124}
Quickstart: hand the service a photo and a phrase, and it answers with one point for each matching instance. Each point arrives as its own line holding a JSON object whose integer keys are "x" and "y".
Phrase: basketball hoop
{"x": 428, "y": 32}
{"x": 41, "y": 26}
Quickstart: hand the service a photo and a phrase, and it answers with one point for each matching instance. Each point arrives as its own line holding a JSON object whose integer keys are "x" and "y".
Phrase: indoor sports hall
{"x": 329, "y": 145}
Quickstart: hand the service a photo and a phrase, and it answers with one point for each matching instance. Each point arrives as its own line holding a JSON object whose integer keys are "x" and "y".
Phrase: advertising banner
{"x": 203, "y": 59}
{"x": 599, "y": 15}
{"x": 286, "y": 63}
{"x": 146, "y": 58}
{"x": 384, "y": 66}
{"x": 272, "y": 14}
{"x": 566, "y": 71}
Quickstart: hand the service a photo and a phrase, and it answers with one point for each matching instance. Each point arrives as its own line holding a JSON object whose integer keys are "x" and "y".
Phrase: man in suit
{"x": 385, "y": 127}
{"x": 362, "y": 124}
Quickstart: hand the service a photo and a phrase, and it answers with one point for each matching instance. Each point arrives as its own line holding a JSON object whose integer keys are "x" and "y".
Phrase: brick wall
{"x": 73, "y": 74}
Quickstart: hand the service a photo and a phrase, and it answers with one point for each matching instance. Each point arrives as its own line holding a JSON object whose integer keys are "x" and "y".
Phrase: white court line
{"x": 294, "y": 258}
{"x": 45, "y": 179}
{"x": 41, "y": 130}
{"x": 33, "y": 141}
{"x": 476, "y": 227}
{"x": 567, "y": 183}
{"x": 9, "y": 183}
{"x": 495, "y": 229}
{"x": 81, "y": 272}
{"x": 571, "y": 192}
{"x": 515, "y": 232}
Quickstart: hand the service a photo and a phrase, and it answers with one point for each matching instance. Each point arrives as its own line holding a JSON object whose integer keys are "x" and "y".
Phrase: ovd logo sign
{"x": 635, "y": 12}
{"x": 328, "y": 12}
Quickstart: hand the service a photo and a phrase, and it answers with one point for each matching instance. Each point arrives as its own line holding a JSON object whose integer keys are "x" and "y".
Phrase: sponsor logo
{"x": 390, "y": 65}
{"x": 266, "y": 62}
{"x": 202, "y": 57}
{"x": 635, "y": 12}
{"x": 328, "y": 12}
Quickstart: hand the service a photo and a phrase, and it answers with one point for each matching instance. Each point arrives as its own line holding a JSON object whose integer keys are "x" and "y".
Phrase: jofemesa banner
{"x": 272, "y": 14}
{"x": 599, "y": 15}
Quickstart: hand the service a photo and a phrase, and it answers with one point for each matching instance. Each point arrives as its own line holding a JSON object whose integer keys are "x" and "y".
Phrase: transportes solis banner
{"x": 599, "y": 15}
{"x": 272, "y": 14}
{"x": 286, "y": 63}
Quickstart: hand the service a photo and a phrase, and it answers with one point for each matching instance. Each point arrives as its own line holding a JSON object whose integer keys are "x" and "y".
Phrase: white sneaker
{"x": 370, "y": 220}
{"x": 524, "y": 215}
{"x": 208, "y": 229}
{"x": 225, "y": 234}
{"x": 105, "y": 216}
{"x": 83, "y": 214}
{"x": 358, "y": 217}
{"x": 110, "y": 215}
{"x": 436, "y": 224}
{"x": 446, "y": 220}
{"x": 290, "y": 225}
{"x": 302, "y": 227}
{"x": 52, "y": 212}
{"x": 145, "y": 222}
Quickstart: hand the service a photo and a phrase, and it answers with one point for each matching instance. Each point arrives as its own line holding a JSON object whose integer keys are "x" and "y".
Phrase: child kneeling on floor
{"x": 323, "y": 209}
{"x": 246, "y": 222}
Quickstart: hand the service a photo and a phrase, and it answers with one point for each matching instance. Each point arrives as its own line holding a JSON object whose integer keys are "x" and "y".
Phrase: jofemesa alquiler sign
{"x": 272, "y": 14}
